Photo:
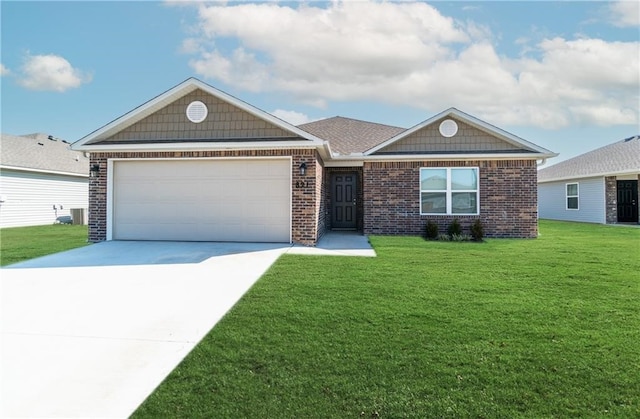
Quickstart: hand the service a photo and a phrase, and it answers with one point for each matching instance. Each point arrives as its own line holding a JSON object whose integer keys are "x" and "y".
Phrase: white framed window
{"x": 449, "y": 190}
{"x": 572, "y": 196}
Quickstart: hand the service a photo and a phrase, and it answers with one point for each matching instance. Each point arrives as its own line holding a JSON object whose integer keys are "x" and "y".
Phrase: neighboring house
{"x": 600, "y": 186}
{"x": 41, "y": 179}
{"x": 195, "y": 163}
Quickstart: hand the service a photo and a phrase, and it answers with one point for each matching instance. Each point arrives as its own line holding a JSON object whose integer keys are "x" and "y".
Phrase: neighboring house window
{"x": 449, "y": 190}
{"x": 572, "y": 196}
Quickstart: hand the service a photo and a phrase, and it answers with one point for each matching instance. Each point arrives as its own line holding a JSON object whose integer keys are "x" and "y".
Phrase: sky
{"x": 563, "y": 75}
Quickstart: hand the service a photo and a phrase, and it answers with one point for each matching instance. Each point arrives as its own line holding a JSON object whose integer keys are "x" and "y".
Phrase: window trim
{"x": 449, "y": 191}
{"x": 576, "y": 196}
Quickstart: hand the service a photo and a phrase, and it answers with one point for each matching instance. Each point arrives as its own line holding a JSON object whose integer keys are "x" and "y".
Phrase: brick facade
{"x": 508, "y": 198}
{"x": 388, "y": 194}
{"x": 611, "y": 199}
{"x": 305, "y": 200}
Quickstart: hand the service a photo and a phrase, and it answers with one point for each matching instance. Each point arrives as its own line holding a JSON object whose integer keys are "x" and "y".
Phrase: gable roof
{"x": 528, "y": 149}
{"x": 348, "y": 135}
{"x": 41, "y": 153}
{"x": 90, "y": 141}
{"x": 617, "y": 158}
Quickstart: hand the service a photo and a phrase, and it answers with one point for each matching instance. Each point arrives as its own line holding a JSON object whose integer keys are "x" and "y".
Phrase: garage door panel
{"x": 203, "y": 200}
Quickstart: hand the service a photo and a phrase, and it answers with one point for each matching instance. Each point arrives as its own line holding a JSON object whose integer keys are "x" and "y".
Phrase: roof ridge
{"x": 352, "y": 119}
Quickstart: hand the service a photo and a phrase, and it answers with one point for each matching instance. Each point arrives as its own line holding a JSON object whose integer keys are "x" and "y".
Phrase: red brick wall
{"x": 508, "y": 198}
{"x": 321, "y": 197}
{"x": 305, "y": 201}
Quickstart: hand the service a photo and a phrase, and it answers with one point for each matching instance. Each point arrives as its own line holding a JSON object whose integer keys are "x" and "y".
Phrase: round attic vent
{"x": 197, "y": 112}
{"x": 448, "y": 128}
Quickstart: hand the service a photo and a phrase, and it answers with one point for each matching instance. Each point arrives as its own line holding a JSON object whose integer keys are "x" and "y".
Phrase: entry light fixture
{"x": 303, "y": 168}
{"x": 94, "y": 170}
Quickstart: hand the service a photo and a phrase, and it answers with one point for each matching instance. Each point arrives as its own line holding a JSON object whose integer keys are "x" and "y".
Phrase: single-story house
{"x": 600, "y": 186}
{"x": 41, "y": 180}
{"x": 195, "y": 163}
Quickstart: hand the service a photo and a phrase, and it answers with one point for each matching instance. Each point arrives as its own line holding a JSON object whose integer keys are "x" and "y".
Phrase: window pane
{"x": 434, "y": 202}
{"x": 464, "y": 179}
{"x": 464, "y": 203}
{"x": 433, "y": 179}
{"x": 572, "y": 189}
{"x": 572, "y": 203}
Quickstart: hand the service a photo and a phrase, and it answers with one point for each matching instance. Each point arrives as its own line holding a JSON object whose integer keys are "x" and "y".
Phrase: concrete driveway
{"x": 91, "y": 332}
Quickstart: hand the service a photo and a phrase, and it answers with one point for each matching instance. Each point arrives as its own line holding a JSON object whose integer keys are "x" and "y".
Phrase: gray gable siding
{"x": 468, "y": 139}
{"x": 591, "y": 201}
{"x": 224, "y": 121}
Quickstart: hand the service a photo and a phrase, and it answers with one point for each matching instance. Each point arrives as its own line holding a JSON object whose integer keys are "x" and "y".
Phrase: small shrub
{"x": 444, "y": 237}
{"x": 460, "y": 238}
{"x": 431, "y": 231}
{"x": 477, "y": 230}
{"x": 454, "y": 228}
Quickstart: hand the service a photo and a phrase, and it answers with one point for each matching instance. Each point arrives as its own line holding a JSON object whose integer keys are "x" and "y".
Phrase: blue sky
{"x": 564, "y": 75}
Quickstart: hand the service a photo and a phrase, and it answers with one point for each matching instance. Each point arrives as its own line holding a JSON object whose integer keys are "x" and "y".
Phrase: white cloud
{"x": 50, "y": 72}
{"x": 292, "y": 117}
{"x": 624, "y": 13}
{"x": 410, "y": 54}
{"x": 4, "y": 70}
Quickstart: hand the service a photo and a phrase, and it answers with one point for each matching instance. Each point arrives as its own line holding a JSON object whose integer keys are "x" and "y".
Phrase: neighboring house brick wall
{"x": 508, "y": 198}
{"x": 611, "y": 196}
{"x": 305, "y": 204}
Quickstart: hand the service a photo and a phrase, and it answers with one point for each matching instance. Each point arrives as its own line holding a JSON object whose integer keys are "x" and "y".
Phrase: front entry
{"x": 343, "y": 201}
{"x": 627, "y": 201}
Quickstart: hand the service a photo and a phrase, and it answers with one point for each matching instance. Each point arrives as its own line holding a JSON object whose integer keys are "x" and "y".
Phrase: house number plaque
{"x": 301, "y": 184}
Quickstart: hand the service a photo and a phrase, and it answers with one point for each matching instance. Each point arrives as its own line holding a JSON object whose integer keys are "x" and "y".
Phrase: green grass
{"x": 23, "y": 243}
{"x": 507, "y": 328}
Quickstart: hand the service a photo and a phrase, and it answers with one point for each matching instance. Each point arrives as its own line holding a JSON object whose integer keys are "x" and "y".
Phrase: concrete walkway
{"x": 91, "y": 332}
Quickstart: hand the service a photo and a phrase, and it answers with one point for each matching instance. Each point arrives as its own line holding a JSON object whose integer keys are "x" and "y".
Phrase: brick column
{"x": 611, "y": 199}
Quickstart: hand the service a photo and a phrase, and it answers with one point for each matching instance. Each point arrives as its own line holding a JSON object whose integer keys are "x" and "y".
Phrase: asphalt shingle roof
{"x": 619, "y": 157}
{"x": 38, "y": 152}
{"x": 346, "y": 135}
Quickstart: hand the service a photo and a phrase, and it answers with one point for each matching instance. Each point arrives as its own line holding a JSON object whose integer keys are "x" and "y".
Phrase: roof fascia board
{"x": 357, "y": 160}
{"x": 344, "y": 163}
{"x": 590, "y": 175}
{"x": 448, "y": 157}
{"x": 51, "y": 172}
{"x": 200, "y": 146}
{"x": 475, "y": 122}
{"x": 177, "y": 92}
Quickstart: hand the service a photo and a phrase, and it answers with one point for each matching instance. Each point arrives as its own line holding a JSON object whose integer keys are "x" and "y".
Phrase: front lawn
{"x": 23, "y": 243}
{"x": 507, "y": 328}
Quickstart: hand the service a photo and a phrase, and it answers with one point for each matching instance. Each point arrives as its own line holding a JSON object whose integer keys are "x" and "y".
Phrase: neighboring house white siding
{"x": 29, "y": 197}
{"x": 552, "y": 200}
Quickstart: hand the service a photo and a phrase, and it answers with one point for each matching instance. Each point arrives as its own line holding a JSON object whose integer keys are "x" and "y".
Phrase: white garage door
{"x": 241, "y": 200}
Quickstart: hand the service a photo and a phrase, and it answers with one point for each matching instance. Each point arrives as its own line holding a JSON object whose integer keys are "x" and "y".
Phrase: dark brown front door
{"x": 627, "y": 201}
{"x": 343, "y": 200}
